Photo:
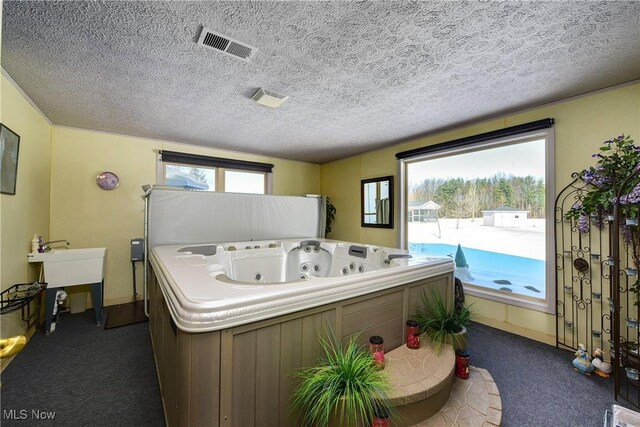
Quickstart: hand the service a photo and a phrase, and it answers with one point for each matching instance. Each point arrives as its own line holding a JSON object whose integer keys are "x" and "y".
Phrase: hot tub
{"x": 231, "y": 323}
{"x": 215, "y": 286}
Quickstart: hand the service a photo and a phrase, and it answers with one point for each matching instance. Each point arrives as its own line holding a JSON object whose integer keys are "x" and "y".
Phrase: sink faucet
{"x": 46, "y": 246}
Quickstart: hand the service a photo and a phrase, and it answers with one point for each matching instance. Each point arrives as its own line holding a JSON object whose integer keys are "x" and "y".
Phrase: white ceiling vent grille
{"x": 224, "y": 44}
{"x": 269, "y": 99}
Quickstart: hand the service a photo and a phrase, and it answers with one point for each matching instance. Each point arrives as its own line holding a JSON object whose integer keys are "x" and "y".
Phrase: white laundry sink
{"x": 69, "y": 267}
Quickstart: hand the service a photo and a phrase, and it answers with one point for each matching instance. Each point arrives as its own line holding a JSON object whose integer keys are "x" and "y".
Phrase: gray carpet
{"x": 537, "y": 382}
{"x": 87, "y": 375}
{"x": 95, "y": 377}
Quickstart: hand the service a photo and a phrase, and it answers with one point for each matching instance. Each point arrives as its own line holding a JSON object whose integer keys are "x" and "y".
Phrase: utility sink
{"x": 68, "y": 267}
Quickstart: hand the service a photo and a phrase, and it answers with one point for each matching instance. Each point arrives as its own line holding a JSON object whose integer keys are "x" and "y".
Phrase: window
{"x": 190, "y": 177}
{"x": 244, "y": 182}
{"x": 194, "y": 172}
{"x": 488, "y": 205}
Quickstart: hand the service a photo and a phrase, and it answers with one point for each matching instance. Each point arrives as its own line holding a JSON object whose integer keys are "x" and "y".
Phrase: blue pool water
{"x": 525, "y": 274}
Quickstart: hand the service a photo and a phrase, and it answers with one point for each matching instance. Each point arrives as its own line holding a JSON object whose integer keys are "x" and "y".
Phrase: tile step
{"x": 426, "y": 393}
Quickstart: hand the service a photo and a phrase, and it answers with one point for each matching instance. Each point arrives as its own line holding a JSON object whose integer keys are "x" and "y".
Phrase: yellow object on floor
{"x": 11, "y": 346}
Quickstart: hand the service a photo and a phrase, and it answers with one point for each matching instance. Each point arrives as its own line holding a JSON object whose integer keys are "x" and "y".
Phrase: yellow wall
{"x": 581, "y": 125}
{"x": 27, "y": 212}
{"x": 90, "y": 217}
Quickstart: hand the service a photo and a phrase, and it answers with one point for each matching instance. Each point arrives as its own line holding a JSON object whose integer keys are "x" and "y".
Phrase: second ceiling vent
{"x": 268, "y": 98}
{"x": 224, "y": 44}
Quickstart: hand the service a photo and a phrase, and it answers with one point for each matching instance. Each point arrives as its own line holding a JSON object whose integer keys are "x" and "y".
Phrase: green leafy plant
{"x": 442, "y": 324}
{"x": 613, "y": 179}
{"x": 617, "y": 159}
{"x": 345, "y": 386}
{"x": 331, "y": 215}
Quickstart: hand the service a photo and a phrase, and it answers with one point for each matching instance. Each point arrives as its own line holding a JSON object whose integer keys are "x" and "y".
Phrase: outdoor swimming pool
{"x": 525, "y": 276}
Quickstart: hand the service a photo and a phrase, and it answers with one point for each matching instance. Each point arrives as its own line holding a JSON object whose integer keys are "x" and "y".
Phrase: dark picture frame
{"x": 9, "y": 150}
{"x": 376, "y": 211}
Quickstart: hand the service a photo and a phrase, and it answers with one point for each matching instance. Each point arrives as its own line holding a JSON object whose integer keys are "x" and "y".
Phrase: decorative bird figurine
{"x": 603, "y": 368}
{"x": 582, "y": 362}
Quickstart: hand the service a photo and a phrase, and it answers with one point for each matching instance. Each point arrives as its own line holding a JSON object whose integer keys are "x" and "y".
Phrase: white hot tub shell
{"x": 214, "y": 286}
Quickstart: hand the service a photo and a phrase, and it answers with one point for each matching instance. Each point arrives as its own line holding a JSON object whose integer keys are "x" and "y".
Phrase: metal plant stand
{"x": 597, "y": 283}
{"x": 625, "y": 248}
{"x": 583, "y": 288}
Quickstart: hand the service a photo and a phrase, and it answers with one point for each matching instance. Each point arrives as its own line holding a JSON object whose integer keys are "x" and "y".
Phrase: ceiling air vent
{"x": 269, "y": 99}
{"x": 224, "y": 44}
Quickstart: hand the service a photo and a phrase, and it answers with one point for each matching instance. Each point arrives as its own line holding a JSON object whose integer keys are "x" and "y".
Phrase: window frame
{"x": 219, "y": 170}
{"x": 546, "y": 305}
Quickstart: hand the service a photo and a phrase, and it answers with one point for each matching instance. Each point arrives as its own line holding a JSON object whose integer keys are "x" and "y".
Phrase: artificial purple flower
{"x": 595, "y": 177}
{"x": 583, "y": 224}
{"x": 632, "y": 197}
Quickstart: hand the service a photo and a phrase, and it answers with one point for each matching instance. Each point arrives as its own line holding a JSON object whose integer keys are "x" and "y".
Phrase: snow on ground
{"x": 527, "y": 241}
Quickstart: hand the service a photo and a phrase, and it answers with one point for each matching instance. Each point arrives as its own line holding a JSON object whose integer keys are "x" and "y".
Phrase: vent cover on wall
{"x": 224, "y": 44}
{"x": 268, "y": 99}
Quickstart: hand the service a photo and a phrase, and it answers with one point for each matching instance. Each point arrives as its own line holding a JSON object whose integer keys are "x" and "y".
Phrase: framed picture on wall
{"x": 9, "y": 147}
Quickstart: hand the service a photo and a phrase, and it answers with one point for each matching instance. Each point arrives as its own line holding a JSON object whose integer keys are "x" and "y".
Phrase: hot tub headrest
{"x": 206, "y": 250}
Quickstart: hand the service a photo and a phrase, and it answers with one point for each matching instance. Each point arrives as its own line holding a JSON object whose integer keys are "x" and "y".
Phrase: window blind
{"x": 219, "y": 162}
{"x": 470, "y": 140}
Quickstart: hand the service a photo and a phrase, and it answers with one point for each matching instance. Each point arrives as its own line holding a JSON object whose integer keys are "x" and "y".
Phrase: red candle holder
{"x": 462, "y": 364}
{"x": 413, "y": 335}
{"x": 381, "y": 417}
{"x": 376, "y": 347}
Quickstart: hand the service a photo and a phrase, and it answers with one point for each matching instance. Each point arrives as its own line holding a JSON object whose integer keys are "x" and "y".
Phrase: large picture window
{"x": 487, "y": 205}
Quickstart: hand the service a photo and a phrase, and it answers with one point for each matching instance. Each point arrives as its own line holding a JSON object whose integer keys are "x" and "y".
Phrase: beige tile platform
{"x": 415, "y": 375}
{"x": 473, "y": 402}
{"x": 426, "y": 393}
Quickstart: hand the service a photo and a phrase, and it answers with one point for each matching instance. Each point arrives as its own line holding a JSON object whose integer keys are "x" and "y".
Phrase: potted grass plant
{"x": 443, "y": 324}
{"x": 343, "y": 389}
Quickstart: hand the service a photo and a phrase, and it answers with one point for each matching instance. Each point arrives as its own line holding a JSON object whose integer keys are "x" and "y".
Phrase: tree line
{"x": 460, "y": 198}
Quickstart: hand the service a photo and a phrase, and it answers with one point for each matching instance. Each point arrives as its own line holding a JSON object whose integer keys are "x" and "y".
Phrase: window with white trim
{"x": 203, "y": 173}
{"x": 489, "y": 205}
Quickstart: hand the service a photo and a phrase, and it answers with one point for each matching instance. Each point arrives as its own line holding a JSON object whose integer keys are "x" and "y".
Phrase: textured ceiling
{"x": 359, "y": 75}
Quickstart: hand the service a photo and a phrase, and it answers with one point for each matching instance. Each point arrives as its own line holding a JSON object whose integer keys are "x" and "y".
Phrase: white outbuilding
{"x": 505, "y": 216}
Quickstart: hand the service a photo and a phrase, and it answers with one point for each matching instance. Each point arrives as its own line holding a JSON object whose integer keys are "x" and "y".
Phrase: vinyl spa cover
{"x": 178, "y": 216}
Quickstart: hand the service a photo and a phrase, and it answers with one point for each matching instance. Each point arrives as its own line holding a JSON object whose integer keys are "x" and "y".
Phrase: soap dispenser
{"x": 40, "y": 244}
{"x": 35, "y": 244}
